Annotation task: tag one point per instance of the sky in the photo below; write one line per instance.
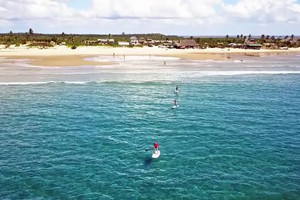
(170, 17)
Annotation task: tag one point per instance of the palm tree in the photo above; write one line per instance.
(30, 31)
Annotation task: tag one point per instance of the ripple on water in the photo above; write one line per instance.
(231, 138)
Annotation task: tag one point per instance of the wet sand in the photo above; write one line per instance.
(65, 60)
(63, 56)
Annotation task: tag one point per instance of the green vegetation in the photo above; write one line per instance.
(32, 39)
(265, 41)
(217, 42)
(36, 39)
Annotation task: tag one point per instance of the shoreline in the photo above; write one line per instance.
(63, 56)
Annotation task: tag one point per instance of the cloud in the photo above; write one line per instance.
(111, 9)
(166, 16)
(264, 11)
(38, 9)
(153, 9)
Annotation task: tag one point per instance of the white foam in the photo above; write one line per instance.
(44, 83)
(231, 73)
(75, 82)
(190, 74)
(130, 58)
(23, 83)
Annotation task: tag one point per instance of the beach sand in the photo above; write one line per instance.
(60, 60)
(202, 56)
(64, 56)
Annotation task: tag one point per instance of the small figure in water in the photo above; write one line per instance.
(175, 102)
(156, 145)
(176, 90)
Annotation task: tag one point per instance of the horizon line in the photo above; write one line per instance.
(184, 35)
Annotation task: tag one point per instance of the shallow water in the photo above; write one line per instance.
(85, 132)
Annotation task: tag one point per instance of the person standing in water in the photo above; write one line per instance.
(176, 90)
(175, 102)
(156, 145)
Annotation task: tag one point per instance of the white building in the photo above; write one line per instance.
(123, 43)
(134, 40)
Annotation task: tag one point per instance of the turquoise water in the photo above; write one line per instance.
(79, 135)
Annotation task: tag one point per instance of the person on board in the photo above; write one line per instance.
(175, 102)
(156, 145)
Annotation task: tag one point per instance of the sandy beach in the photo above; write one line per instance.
(59, 60)
(64, 56)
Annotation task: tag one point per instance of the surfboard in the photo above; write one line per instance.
(174, 107)
(156, 154)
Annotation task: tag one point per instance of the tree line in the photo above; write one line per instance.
(73, 39)
(37, 39)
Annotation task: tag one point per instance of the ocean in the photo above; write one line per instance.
(88, 132)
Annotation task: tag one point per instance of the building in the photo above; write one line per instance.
(134, 40)
(42, 43)
(142, 40)
(253, 46)
(188, 43)
(106, 41)
(250, 43)
(123, 44)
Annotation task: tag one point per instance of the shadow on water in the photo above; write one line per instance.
(148, 161)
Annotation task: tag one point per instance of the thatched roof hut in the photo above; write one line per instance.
(188, 43)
